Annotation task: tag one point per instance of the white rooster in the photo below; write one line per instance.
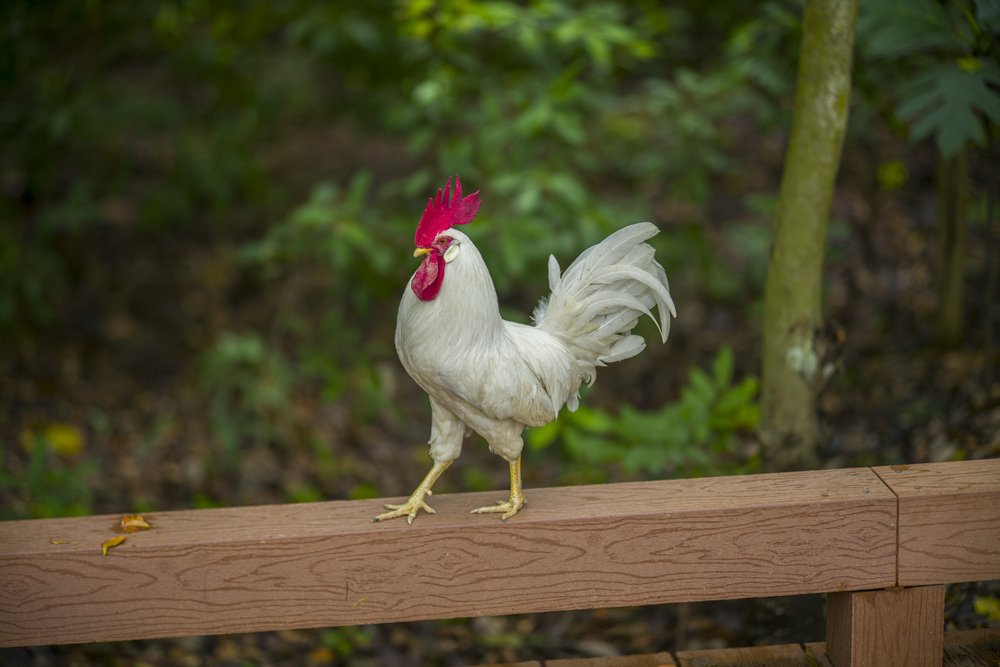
(497, 377)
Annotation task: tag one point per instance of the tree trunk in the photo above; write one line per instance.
(793, 368)
(992, 282)
(952, 178)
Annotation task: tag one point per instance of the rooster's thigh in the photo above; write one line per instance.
(503, 436)
(447, 433)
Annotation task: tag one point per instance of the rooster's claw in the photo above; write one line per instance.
(416, 502)
(408, 509)
(508, 507)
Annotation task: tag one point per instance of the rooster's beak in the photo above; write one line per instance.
(421, 251)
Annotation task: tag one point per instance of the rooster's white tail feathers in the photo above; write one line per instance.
(599, 299)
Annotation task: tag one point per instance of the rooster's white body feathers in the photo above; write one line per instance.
(498, 377)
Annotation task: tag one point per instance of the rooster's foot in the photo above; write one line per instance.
(408, 509)
(416, 502)
(517, 499)
(508, 507)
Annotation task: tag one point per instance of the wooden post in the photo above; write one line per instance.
(897, 626)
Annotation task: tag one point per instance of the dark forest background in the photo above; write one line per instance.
(206, 222)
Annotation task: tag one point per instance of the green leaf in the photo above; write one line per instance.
(569, 188)
(988, 13)
(893, 29)
(650, 459)
(569, 127)
(943, 102)
(722, 366)
(702, 388)
(526, 201)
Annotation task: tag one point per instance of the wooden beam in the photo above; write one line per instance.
(899, 626)
(325, 564)
(971, 648)
(784, 655)
(949, 520)
(646, 660)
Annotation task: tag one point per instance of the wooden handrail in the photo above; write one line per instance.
(325, 564)
(949, 521)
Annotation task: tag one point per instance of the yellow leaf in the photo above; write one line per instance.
(51, 541)
(113, 542)
(989, 607)
(321, 655)
(970, 64)
(65, 439)
(892, 175)
(134, 522)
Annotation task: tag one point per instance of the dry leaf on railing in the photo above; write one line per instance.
(113, 542)
(134, 522)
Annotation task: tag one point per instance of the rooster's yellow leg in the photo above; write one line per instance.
(416, 502)
(517, 499)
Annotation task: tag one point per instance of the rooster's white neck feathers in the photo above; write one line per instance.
(464, 311)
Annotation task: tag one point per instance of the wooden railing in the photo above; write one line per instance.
(880, 541)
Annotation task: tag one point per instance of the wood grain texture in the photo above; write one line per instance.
(325, 564)
(899, 626)
(949, 521)
(646, 660)
(972, 648)
(784, 655)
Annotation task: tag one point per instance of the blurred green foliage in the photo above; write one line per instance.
(128, 125)
(249, 384)
(541, 103)
(694, 437)
(943, 59)
(155, 120)
(336, 236)
(52, 483)
(155, 115)
(345, 640)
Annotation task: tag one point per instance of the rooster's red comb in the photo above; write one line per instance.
(446, 211)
